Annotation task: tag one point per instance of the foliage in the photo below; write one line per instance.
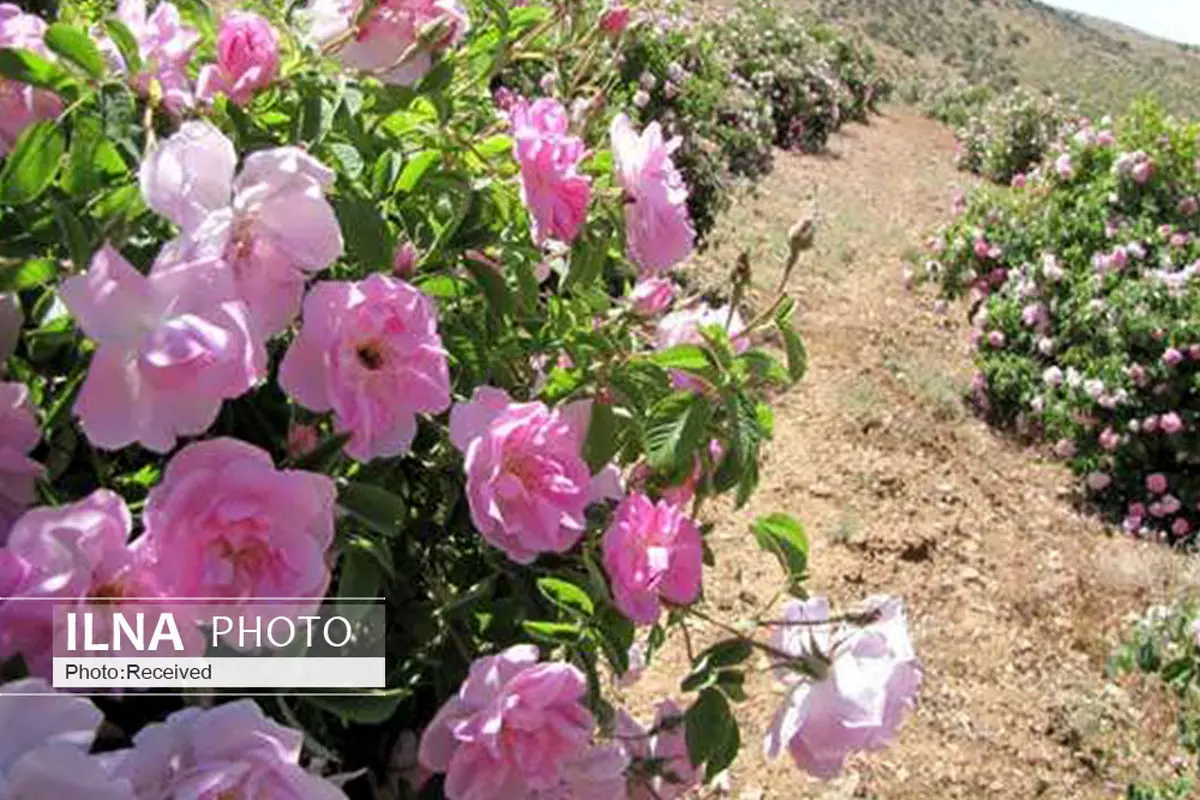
(1085, 311)
(1008, 135)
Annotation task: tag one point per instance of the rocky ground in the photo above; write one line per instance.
(1016, 597)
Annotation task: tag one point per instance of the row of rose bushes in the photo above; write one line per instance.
(1164, 646)
(1083, 284)
(318, 305)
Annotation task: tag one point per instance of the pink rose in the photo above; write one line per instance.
(404, 262)
(996, 339)
(652, 552)
(1098, 481)
(1109, 439)
(47, 737)
(247, 59)
(165, 46)
(1156, 483)
(1064, 448)
(614, 18)
(1065, 169)
(511, 729)
(18, 436)
(397, 42)
(223, 522)
(370, 351)
(301, 440)
(77, 554)
(1170, 423)
(1189, 206)
(598, 774)
(1171, 357)
(21, 105)
(1019, 181)
(1181, 527)
(556, 195)
(664, 745)
(11, 320)
(527, 484)
(871, 677)
(171, 348)
(231, 750)
(271, 225)
(650, 297)
(658, 229)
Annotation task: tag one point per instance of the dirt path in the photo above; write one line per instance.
(1015, 598)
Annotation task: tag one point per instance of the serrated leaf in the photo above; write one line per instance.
(77, 47)
(415, 169)
(690, 357)
(797, 354)
(783, 537)
(566, 595)
(553, 632)
(376, 507)
(93, 159)
(368, 240)
(28, 275)
(711, 733)
(31, 166)
(675, 430)
(26, 67)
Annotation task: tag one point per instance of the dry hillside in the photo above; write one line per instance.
(1101, 64)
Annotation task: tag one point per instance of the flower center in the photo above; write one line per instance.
(108, 593)
(370, 355)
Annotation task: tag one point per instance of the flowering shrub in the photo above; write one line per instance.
(1165, 644)
(1003, 138)
(1084, 290)
(294, 308)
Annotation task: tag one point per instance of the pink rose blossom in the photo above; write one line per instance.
(1019, 181)
(18, 436)
(1143, 170)
(247, 59)
(1065, 169)
(1105, 138)
(1170, 423)
(511, 728)
(982, 248)
(1064, 448)
(271, 224)
(47, 737)
(79, 555)
(1189, 206)
(597, 774)
(370, 352)
(1181, 527)
(404, 262)
(1150, 424)
(1098, 481)
(231, 750)
(223, 522)
(1156, 483)
(871, 678)
(658, 230)
(996, 339)
(165, 46)
(665, 745)
(1171, 357)
(11, 320)
(301, 440)
(556, 195)
(1109, 439)
(171, 348)
(1170, 504)
(614, 18)
(652, 296)
(527, 483)
(652, 551)
(398, 41)
(21, 105)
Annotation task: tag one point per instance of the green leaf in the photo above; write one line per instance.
(126, 44)
(675, 430)
(552, 632)
(77, 47)
(603, 439)
(495, 145)
(363, 708)
(74, 234)
(31, 166)
(711, 732)
(494, 288)
(784, 537)
(727, 653)
(348, 159)
(587, 262)
(415, 169)
(27, 67)
(690, 357)
(377, 508)
(28, 275)
(443, 287)
(566, 595)
(360, 575)
(797, 354)
(368, 240)
(93, 160)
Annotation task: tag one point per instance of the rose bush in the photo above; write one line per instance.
(1003, 138)
(1084, 290)
(296, 307)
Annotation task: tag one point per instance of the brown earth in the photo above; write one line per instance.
(1015, 597)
